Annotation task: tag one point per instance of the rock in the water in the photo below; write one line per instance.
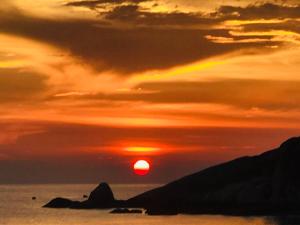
(60, 203)
(101, 197)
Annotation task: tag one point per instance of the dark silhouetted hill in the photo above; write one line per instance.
(265, 184)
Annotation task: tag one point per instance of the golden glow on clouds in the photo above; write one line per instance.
(51, 9)
(137, 149)
(178, 72)
(12, 63)
(261, 21)
(26, 52)
(280, 33)
(73, 85)
(224, 40)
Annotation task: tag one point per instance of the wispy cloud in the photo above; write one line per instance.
(243, 93)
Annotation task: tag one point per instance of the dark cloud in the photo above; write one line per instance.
(145, 40)
(96, 3)
(18, 85)
(134, 14)
(126, 50)
(259, 11)
(290, 25)
(238, 93)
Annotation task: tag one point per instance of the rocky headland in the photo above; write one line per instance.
(266, 184)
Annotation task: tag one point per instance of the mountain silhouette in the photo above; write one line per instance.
(264, 184)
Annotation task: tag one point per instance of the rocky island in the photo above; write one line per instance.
(266, 184)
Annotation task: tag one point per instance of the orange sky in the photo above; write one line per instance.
(184, 83)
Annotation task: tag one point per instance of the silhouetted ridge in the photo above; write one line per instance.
(264, 184)
(290, 144)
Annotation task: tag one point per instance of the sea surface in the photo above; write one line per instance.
(18, 208)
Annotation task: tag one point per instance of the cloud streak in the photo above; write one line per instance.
(241, 93)
(92, 4)
(259, 11)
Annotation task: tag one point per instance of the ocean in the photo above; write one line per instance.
(18, 208)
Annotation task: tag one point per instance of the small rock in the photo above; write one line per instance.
(59, 203)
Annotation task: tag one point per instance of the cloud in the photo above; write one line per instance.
(17, 85)
(289, 25)
(259, 11)
(120, 49)
(134, 14)
(92, 4)
(11, 132)
(234, 92)
(130, 39)
(139, 15)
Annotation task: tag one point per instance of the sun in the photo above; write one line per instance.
(141, 167)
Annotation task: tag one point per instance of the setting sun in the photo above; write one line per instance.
(141, 167)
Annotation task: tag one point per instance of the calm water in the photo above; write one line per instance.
(17, 208)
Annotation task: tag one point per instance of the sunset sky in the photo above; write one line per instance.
(87, 87)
